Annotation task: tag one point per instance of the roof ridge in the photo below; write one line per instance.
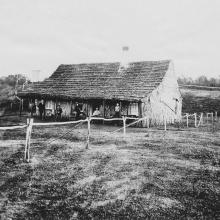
(117, 62)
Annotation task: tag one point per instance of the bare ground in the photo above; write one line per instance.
(149, 174)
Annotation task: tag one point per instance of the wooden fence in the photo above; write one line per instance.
(198, 121)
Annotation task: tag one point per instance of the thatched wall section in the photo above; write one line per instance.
(165, 102)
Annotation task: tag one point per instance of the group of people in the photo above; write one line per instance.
(33, 109)
(58, 112)
(97, 113)
(42, 111)
(117, 113)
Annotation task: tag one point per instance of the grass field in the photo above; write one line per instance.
(149, 174)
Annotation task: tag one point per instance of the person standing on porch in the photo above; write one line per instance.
(41, 107)
(33, 110)
(117, 111)
(78, 111)
(59, 112)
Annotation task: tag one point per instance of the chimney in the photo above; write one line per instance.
(124, 59)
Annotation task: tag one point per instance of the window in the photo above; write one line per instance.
(49, 104)
(133, 109)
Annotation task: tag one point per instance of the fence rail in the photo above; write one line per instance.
(31, 123)
(58, 123)
(13, 127)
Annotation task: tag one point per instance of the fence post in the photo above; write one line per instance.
(187, 120)
(148, 122)
(124, 125)
(28, 139)
(207, 116)
(26, 142)
(20, 110)
(88, 135)
(216, 116)
(195, 119)
(212, 117)
(201, 118)
(165, 123)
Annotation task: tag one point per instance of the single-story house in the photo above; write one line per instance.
(146, 88)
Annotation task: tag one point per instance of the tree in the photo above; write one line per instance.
(10, 84)
(202, 80)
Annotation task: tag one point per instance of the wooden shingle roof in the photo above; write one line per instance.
(102, 81)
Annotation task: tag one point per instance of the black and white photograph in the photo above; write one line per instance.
(109, 109)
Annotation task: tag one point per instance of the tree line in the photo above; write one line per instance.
(201, 81)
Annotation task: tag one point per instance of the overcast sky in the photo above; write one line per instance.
(38, 35)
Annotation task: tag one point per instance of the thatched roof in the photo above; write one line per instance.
(102, 81)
